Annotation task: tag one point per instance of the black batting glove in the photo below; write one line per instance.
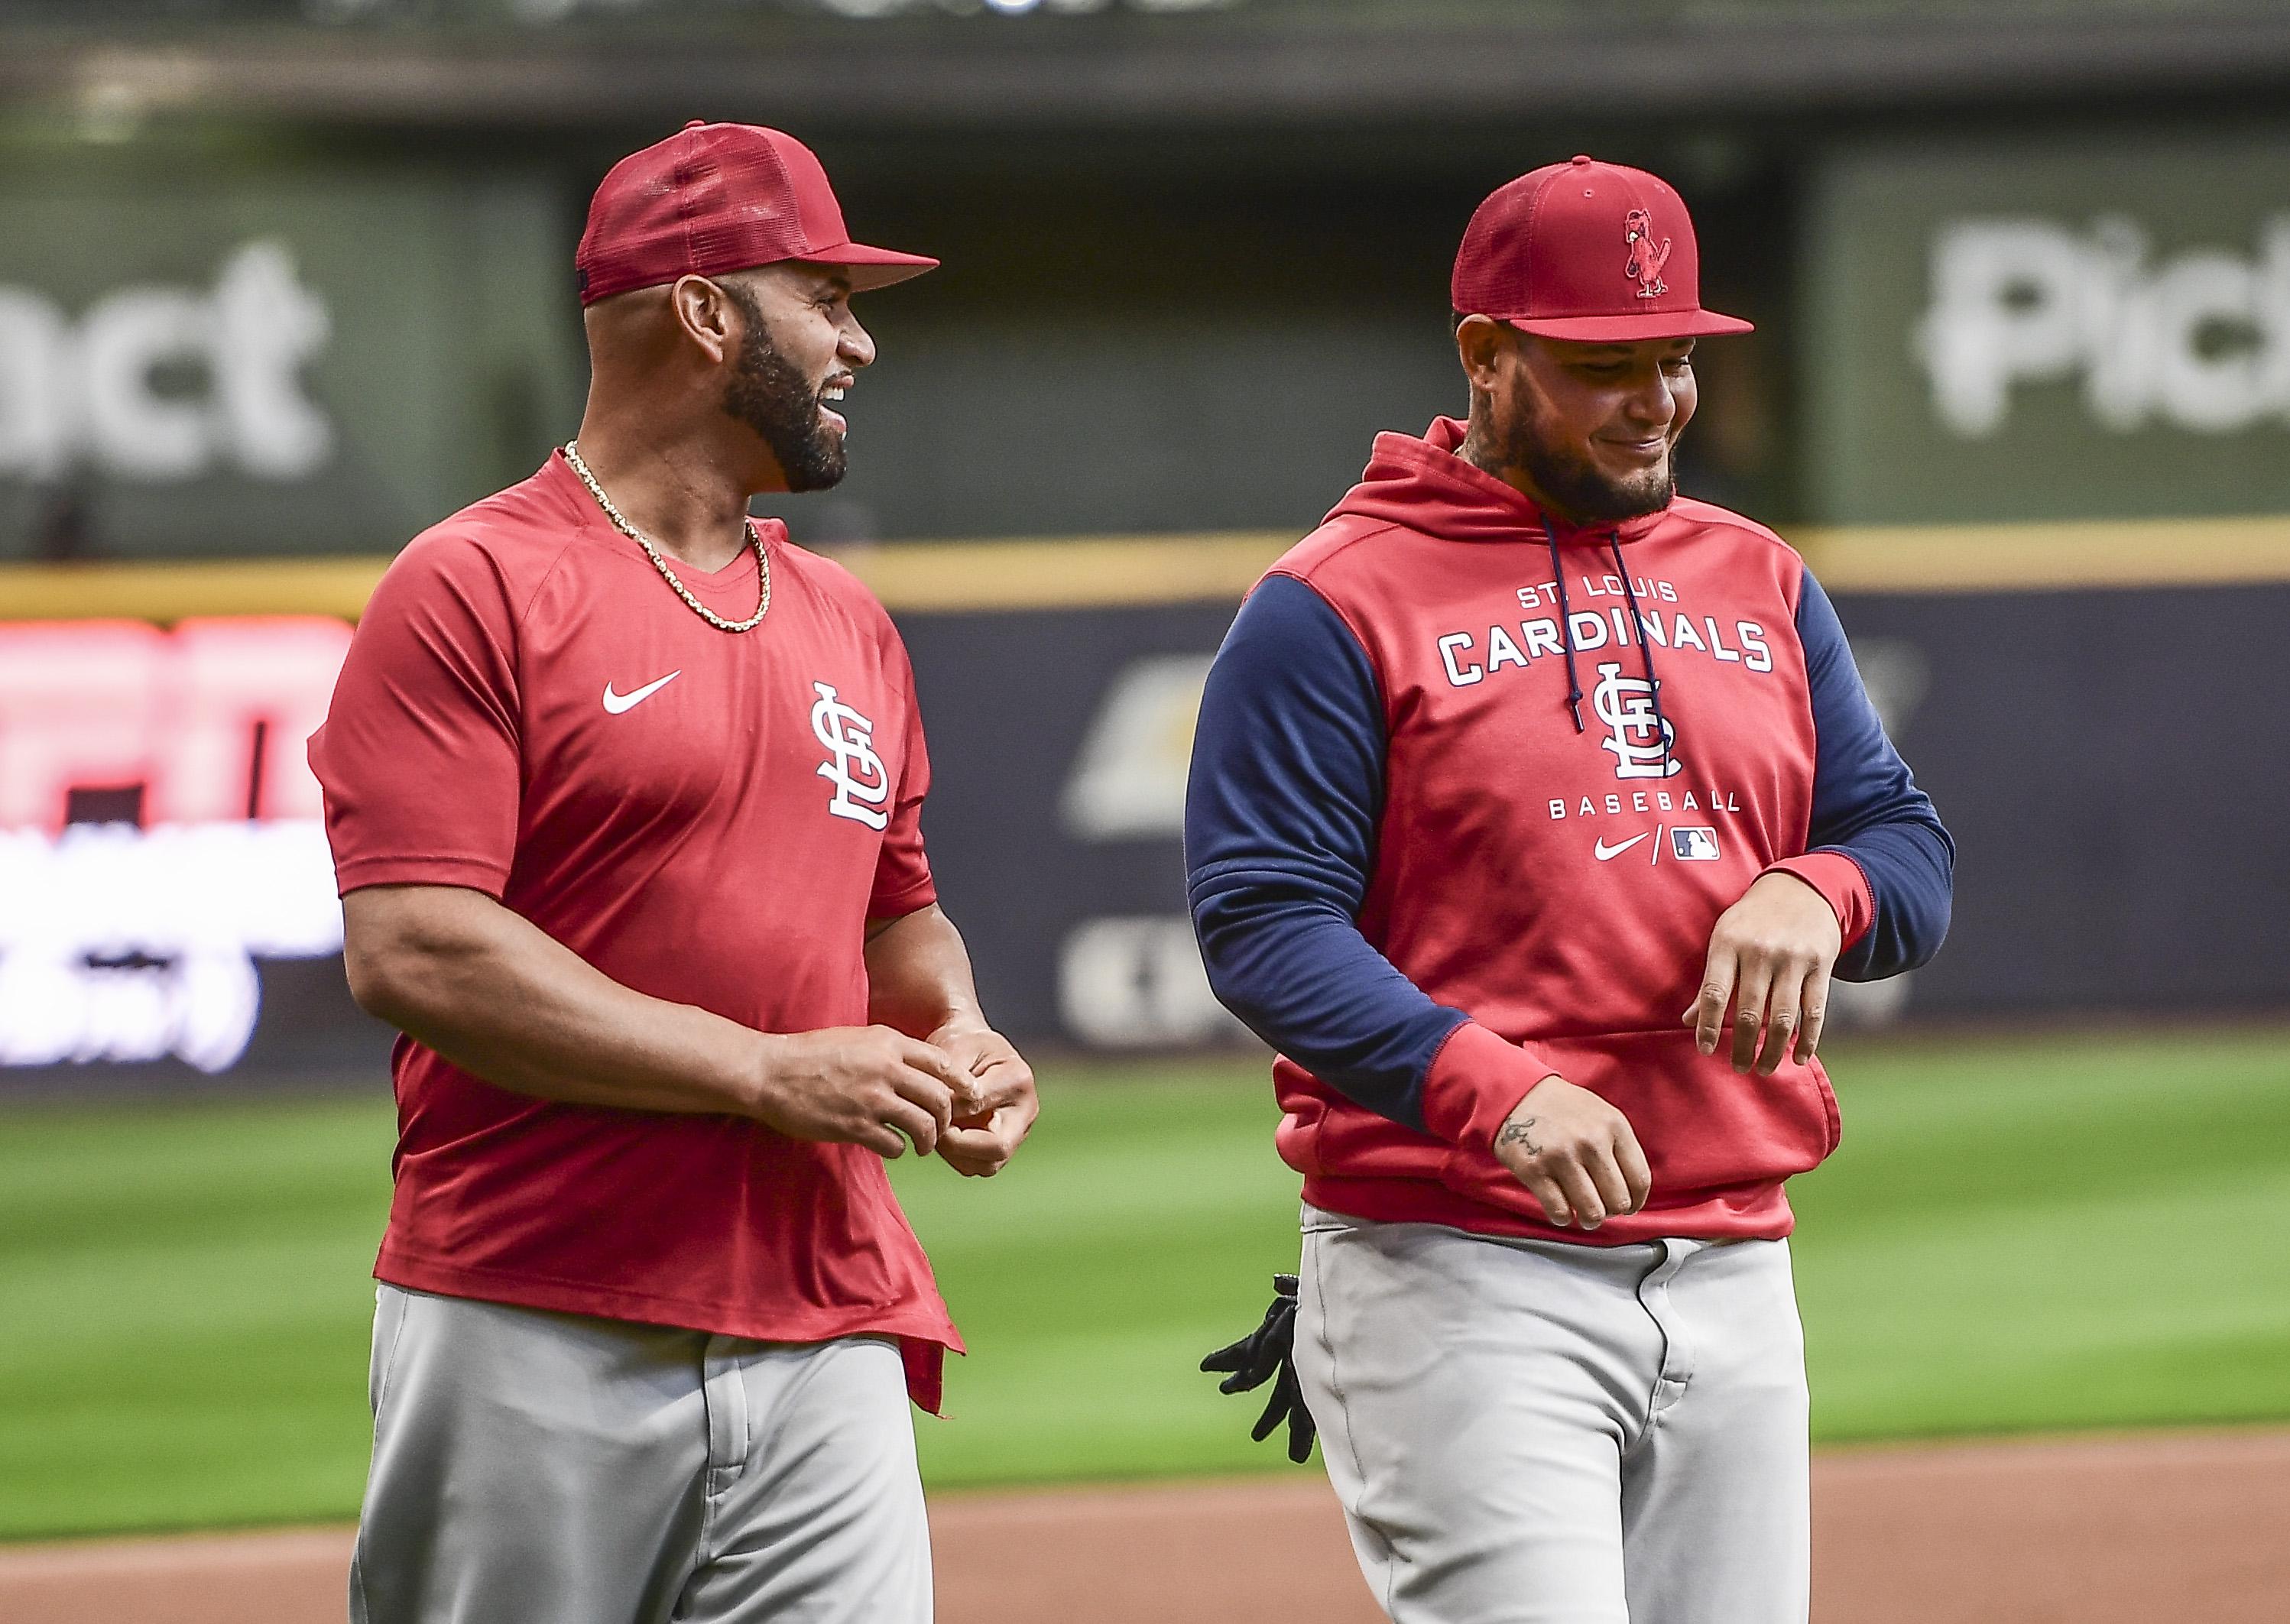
(1269, 1354)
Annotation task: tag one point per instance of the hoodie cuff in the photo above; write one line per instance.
(1842, 885)
(1476, 1081)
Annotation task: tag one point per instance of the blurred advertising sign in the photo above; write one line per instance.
(2089, 874)
(167, 910)
(160, 834)
(232, 362)
(1129, 980)
(2024, 331)
(1059, 847)
(1058, 844)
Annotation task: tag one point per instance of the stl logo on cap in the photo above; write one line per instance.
(1540, 256)
(1645, 260)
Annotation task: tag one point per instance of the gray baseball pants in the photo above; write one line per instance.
(1526, 1432)
(533, 1468)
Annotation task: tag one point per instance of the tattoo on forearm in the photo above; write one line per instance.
(1520, 1133)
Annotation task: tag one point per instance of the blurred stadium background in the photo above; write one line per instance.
(284, 281)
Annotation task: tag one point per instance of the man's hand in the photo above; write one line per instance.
(1576, 1155)
(998, 1107)
(861, 1085)
(1769, 957)
(918, 979)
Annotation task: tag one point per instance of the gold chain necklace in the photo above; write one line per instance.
(652, 551)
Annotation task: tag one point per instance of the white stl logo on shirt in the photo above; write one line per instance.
(850, 741)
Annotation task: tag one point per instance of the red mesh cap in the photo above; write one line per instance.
(713, 198)
(1587, 251)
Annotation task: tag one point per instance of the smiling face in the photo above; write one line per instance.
(1589, 431)
(798, 351)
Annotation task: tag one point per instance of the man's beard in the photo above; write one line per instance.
(1578, 490)
(769, 396)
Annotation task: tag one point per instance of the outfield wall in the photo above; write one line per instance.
(2103, 754)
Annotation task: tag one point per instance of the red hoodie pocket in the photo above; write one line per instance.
(1325, 1134)
(1704, 1127)
(1297, 1139)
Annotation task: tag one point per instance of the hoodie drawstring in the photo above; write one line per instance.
(1645, 644)
(1566, 628)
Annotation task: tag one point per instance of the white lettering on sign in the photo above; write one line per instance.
(1137, 982)
(118, 944)
(95, 392)
(1128, 780)
(124, 943)
(2200, 341)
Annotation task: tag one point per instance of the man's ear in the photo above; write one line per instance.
(707, 316)
(1483, 345)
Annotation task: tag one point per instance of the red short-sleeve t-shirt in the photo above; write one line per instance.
(528, 710)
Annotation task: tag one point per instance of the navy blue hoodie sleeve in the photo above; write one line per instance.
(1281, 815)
(1866, 806)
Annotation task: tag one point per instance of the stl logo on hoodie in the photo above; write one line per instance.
(1641, 739)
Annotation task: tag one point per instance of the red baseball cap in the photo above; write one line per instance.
(1586, 251)
(713, 198)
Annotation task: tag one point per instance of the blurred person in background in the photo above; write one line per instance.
(623, 791)
(1516, 758)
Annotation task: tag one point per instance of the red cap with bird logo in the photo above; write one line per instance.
(1586, 251)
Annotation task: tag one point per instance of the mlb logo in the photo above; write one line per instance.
(1698, 845)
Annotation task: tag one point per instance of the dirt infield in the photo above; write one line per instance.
(2082, 1531)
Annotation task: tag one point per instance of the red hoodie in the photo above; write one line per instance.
(1557, 886)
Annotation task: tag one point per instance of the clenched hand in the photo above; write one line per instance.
(1770, 958)
(1576, 1155)
(862, 1085)
(998, 1110)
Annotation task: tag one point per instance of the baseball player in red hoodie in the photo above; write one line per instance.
(1534, 808)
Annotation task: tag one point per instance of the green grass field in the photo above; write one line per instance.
(2023, 1233)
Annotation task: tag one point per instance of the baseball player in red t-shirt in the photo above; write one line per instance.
(623, 790)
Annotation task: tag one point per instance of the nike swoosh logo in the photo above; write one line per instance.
(1606, 853)
(618, 702)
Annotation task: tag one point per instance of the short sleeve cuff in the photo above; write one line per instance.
(1476, 1081)
(470, 874)
(1841, 883)
(898, 901)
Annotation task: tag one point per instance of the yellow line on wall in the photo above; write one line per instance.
(1091, 572)
(1113, 571)
(177, 591)
(2056, 556)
